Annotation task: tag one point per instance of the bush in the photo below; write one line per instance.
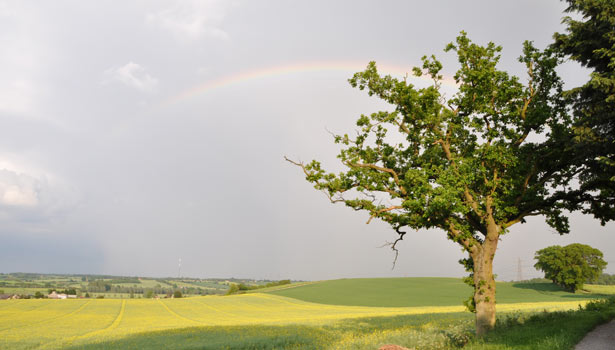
(233, 288)
(177, 294)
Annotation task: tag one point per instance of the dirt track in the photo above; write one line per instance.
(601, 338)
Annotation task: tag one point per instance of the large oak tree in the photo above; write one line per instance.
(472, 165)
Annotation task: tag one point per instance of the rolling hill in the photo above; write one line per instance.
(419, 291)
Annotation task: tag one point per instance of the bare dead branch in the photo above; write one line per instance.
(393, 244)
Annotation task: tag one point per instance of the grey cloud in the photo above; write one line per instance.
(132, 75)
(19, 190)
(191, 20)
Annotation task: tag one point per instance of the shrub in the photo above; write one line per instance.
(233, 288)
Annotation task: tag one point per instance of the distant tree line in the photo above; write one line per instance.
(605, 279)
(100, 286)
(235, 288)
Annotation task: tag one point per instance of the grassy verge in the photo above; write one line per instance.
(538, 330)
(547, 330)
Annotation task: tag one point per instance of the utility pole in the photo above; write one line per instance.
(519, 270)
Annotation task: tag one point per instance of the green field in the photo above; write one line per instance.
(423, 311)
(420, 291)
(599, 289)
(52, 324)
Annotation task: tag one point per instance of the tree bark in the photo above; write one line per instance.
(484, 283)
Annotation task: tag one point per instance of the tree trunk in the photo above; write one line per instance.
(484, 283)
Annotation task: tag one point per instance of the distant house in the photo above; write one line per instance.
(6, 296)
(55, 295)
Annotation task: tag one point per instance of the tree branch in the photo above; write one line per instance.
(457, 236)
(384, 210)
(383, 169)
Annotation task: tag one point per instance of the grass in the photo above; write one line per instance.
(444, 331)
(425, 313)
(599, 289)
(53, 324)
(420, 291)
(346, 334)
(545, 331)
(282, 287)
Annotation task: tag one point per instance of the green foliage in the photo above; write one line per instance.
(233, 289)
(590, 40)
(177, 294)
(71, 291)
(243, 287)
(605, 279)
(460, 158)
(570, 266)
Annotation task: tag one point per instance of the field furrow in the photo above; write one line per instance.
(95, 318)
(45, 312)
(187, 319)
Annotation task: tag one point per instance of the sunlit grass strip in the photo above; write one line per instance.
(600, 289)
(547, 305)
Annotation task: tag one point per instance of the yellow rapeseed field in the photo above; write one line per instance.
(53, 324)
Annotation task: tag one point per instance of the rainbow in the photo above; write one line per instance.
(298, 67)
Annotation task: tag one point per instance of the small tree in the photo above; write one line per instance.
(466, 165)
(233, 289)
(177, 294)
(570, 266)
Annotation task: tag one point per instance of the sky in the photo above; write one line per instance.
(137, 133)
